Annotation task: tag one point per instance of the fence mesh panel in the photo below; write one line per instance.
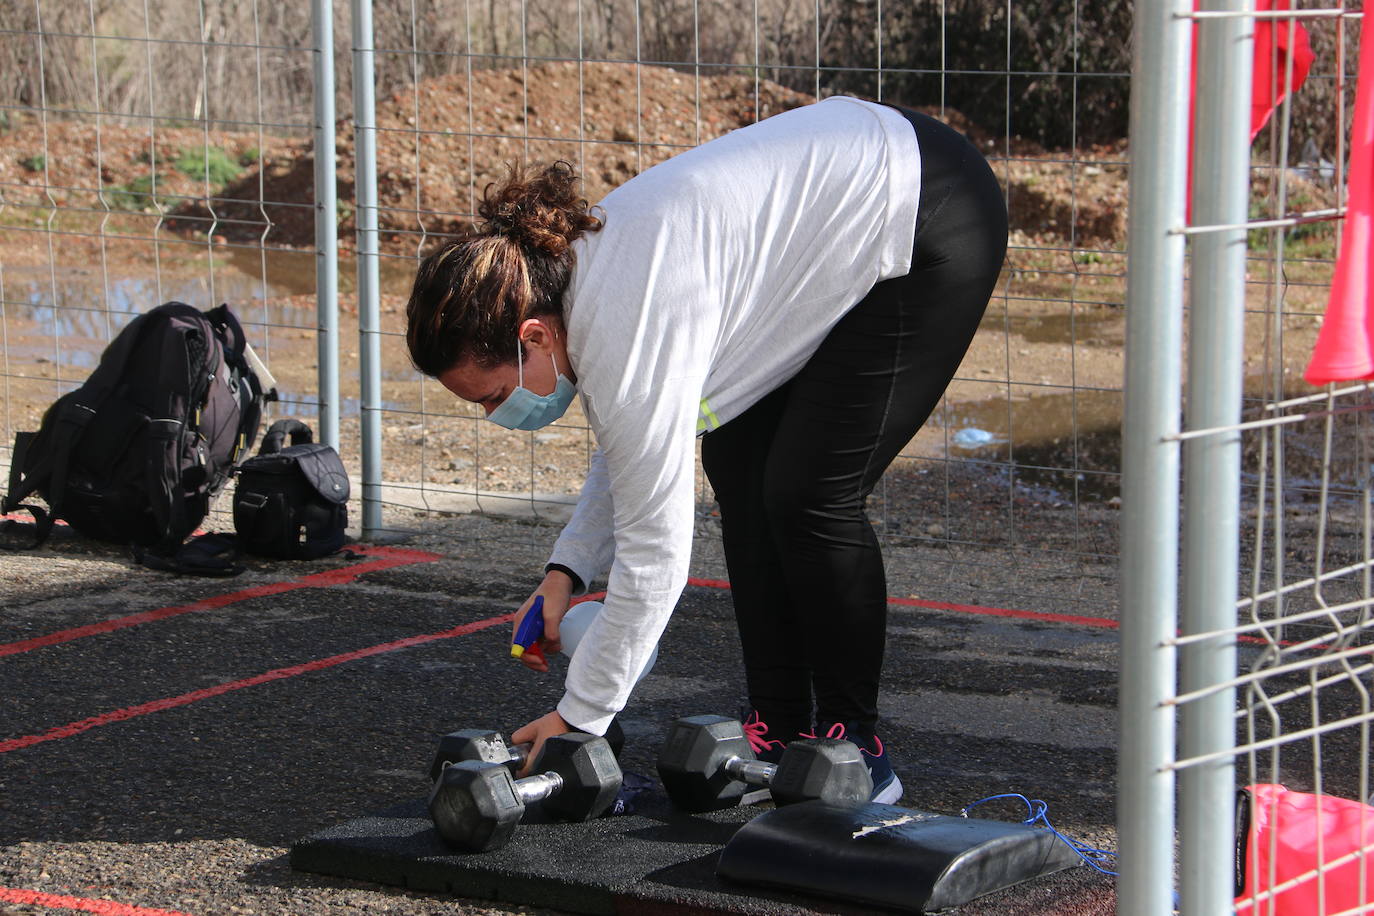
(1299, 674)
(1008, 496)
(152, 152)
(157, 151)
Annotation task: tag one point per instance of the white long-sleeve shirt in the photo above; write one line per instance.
(714, 279)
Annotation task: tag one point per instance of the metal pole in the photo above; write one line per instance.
(1216, 329)
(369, 289)
(1150, 467)
(326, 223)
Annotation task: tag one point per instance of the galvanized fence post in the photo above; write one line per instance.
(1150, 460)
(326, 222)
(369, 284)
(1211, 509)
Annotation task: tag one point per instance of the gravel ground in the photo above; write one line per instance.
(177, 760)
(191, 805)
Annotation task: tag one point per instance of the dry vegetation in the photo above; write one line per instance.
(188, 192)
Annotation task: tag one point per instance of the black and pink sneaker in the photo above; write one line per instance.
(887, 788)
(769, 750)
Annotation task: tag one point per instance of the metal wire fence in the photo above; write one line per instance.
(174, 151)
(1245, 605)
(148, 156)
(1020, 462)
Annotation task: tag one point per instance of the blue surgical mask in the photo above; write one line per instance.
(523, 409)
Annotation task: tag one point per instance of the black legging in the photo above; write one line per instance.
(792, 472)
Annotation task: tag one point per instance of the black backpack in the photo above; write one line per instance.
(136, 453)
(291, 503)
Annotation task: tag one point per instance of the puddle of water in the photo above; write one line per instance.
(1096, 327)
(82, 307)
(1047, 418)
(293, 272)
(1071, 443)
(67, 318)
(1067, 442)
(79, 303)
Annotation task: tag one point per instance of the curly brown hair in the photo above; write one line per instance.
(471, 295)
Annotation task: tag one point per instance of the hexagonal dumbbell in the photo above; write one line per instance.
(476, 805)
(491, 747)
(706, 763)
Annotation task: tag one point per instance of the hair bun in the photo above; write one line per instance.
(538, 209)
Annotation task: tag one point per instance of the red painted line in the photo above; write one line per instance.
(1074, 619)
(278, 674)
(25, 518)
(709, 583)
(84, 904)
(387, 557)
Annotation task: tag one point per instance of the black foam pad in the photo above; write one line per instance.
(657, 860)
(889, 856)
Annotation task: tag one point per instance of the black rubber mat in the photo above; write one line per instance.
(655, 860)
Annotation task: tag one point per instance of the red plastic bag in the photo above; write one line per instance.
(1295, 833)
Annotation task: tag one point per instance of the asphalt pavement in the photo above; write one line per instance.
(164, 741)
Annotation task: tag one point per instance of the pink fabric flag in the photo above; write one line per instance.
(1271, 62)
(1345, 344)
(1268, 88)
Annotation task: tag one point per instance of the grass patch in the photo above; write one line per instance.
(1312, 241)
(135, 196)
(209, 164)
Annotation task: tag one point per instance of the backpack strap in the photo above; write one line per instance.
(20, 488)
(167, 429)
(206, 555)
(168, 512)
(299, 432)
(43, 524)
(50, 474)
(231, 332)
(14, 495)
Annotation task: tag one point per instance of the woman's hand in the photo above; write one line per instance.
(556, 590)
(536, 733)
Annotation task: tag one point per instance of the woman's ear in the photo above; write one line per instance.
(538, 333)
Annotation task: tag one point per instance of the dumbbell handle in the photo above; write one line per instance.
(519, 755)
(538, 787)
(753, 772)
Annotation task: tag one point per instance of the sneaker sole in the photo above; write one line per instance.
(755, 797)
(890, 793)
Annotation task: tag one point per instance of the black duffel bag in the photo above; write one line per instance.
(291, 503)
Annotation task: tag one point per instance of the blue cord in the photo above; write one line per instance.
(1037, 813)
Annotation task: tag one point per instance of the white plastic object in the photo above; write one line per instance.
(576, 622)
